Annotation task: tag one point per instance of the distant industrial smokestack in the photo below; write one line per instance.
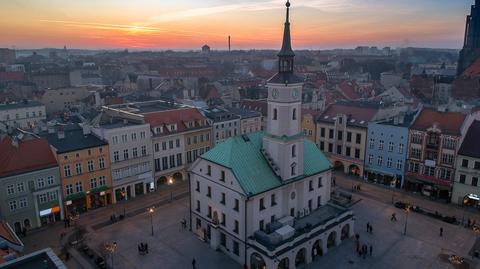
(229, 44)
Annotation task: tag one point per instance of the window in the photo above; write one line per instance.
(445, 174)
(89, 152)
(66, 170)
(116, 156)
(349, 136)
(449, 143)
(209, 170)
(125, 154)
(330, 133)
(322, 145)
(43, 198)
(170, 144)
(477, 166)
(415, 153)
(13, 205)
(101, 163)
(23, 202)
(102, 181)
(223, 239)
(399, 164)
(372, 143)
(389, 162)
(172, 161)
(261, 204)
(144, 150)
(462, 178)
(319, 201)
(294, 151)
(273, 200)
(69, 189)
(236, 248)
(330, 147)
(236, 206)
(115, 140)
(348, 151)
(475, 181)
(198, 206)
(320, 182)
(197, 188)
(21, 186)
(310, 185)
(294, 114)
(447, 158)
(339, 149)
(209, 212)
(90, 166)
(79, 186)
(339, 135)
(177, 142)
(134, 136)
(379, 160)
(370, 159)
(164, 163)
(414, 167)
(380, 145)
(93, 183)
(357, 153)
(179, 159)
(41, 183)
(135, 153)
(465, 163)
(78, 168)
(275, 114)
(222, 201)
(429, 171)
(416, 139)
(224, 220)
(209, 191)
(293, 169)
(235, 229)
(400, 148)
(222, 176)
(322, 132)
(390, 146)
(358, 138)
(10, 189)
(310, 205)
(261, 225)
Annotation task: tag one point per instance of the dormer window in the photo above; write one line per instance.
(159, 130)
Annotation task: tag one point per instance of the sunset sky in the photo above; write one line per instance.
(188, 24)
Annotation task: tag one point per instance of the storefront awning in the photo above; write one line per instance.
(99, 189)
(75, 196)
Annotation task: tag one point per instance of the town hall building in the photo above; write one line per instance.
(263, 198)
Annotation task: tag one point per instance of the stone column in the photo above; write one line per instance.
(324, 245)
(338, 236)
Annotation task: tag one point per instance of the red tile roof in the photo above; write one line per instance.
(349, 90)
(181, 117)
(358, 113)
(30, 155)
(473, 70)
(448, 122)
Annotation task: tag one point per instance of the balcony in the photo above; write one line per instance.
(287, 231)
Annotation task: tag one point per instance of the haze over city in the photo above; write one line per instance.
(188, 24)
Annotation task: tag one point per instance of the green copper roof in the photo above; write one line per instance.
(242, 155)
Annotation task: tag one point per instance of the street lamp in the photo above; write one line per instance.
(407, 210)
(110, 247)
(170, 183)
(151, 210)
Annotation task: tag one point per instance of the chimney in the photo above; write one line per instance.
(61, 134)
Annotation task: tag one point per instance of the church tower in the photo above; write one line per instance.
(471, 43)
(283, 141)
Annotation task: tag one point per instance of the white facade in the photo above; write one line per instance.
(224, 130)
(131, 158)
(22, 115)
(168, 156)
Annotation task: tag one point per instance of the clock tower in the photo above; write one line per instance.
(283, 141)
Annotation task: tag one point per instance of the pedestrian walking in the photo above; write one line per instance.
(394, 217)
(194, 263)
(368, 227)
(371, 229)
(371, 250)
(441, 231)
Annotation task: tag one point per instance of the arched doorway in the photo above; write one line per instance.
(338, 166)
(331, 239)
(354, 170)
(161, 180)
(17, 227)
(177, 177)
(317, 249)
(301, 257)
(26, 223)
(345, 232)
(284, 263)
(257, 262)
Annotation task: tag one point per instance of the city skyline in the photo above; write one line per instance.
(185, 24)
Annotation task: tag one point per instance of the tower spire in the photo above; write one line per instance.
(287, 43)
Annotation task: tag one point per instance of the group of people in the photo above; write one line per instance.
(143, 248)
(364, 249)
(356, 187)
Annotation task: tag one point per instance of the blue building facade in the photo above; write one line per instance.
(386, 150)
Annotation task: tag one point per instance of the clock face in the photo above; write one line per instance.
(295, 94)
(275, 93)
